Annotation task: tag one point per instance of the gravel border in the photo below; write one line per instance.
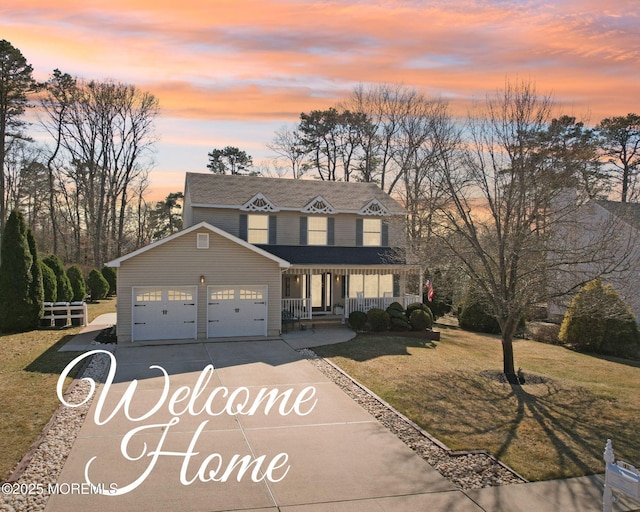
(43, 463)
(466, 469)
(41, 466)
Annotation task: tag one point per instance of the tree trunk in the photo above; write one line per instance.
(507, 357)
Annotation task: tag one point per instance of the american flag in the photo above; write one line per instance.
(429, 289)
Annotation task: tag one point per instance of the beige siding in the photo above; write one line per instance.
(288, 228)
(223, 218)
(179, 263)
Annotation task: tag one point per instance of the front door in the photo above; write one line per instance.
(321, 292)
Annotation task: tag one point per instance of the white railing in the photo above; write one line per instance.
(61, 314)
(298, 308)
(364, 304)
(619, 476)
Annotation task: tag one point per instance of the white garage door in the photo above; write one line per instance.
(236, 311)
(167, 313)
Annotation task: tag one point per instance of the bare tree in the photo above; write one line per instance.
(509, 222)
(287, 147)
(103, 139)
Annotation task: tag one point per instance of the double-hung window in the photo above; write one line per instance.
(317, 231)
(372, 232)
(258, 229)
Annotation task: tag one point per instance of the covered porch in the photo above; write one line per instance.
(316, 291)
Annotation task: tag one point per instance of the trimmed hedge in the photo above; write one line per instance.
(420, 320)
(98, 285)
(49, 283)
(378, 319)
(111, 276)
(357, 320)
(64, 290)
(78, 285)
(395, 306)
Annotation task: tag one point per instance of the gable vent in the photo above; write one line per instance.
(259, 203)
(319, 205)
(202, 241)
(374, 207)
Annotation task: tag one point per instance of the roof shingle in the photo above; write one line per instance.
(235, 191)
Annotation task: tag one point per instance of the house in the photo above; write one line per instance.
(607, 236)
(256, 249)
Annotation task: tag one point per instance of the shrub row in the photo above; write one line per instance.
(71, 285)
(416, 317)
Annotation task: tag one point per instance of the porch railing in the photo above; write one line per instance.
(364, 304)
(299, 308)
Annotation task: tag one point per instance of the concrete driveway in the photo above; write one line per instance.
(326, 455)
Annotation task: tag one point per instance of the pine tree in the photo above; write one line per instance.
(16, 308)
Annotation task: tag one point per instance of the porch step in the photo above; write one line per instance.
(322, 322)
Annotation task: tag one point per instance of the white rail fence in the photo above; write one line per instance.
(62, 314)
(297, 308)
(618, 476)
(301, 308)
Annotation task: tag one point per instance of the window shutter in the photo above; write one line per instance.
(331, 229)
(359, 235)
(242, 230)
(396, 285)
(384, 242)
(303, 231)
(273, 230)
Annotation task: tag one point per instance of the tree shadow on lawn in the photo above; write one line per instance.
(53, 362)
(373, 345)
(551, 430)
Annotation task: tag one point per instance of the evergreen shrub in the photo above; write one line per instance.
(378, 319)
(16, 308)
(420, 320)
(98, 285)
(64, 289)
(49, 283)
(110, 274)
(78, 285)
(599, 321)
(357, 320)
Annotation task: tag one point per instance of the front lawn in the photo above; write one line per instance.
(556, 427)
(29, 370)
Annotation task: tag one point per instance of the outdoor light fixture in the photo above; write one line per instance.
(201, 279)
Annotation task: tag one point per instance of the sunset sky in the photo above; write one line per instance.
(231, 72)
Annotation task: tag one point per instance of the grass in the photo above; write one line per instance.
(29, 371)
(555, 429)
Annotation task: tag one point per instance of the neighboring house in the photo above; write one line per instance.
(612, 229)
(256, 249)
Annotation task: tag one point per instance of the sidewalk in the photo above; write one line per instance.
(85, 340)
